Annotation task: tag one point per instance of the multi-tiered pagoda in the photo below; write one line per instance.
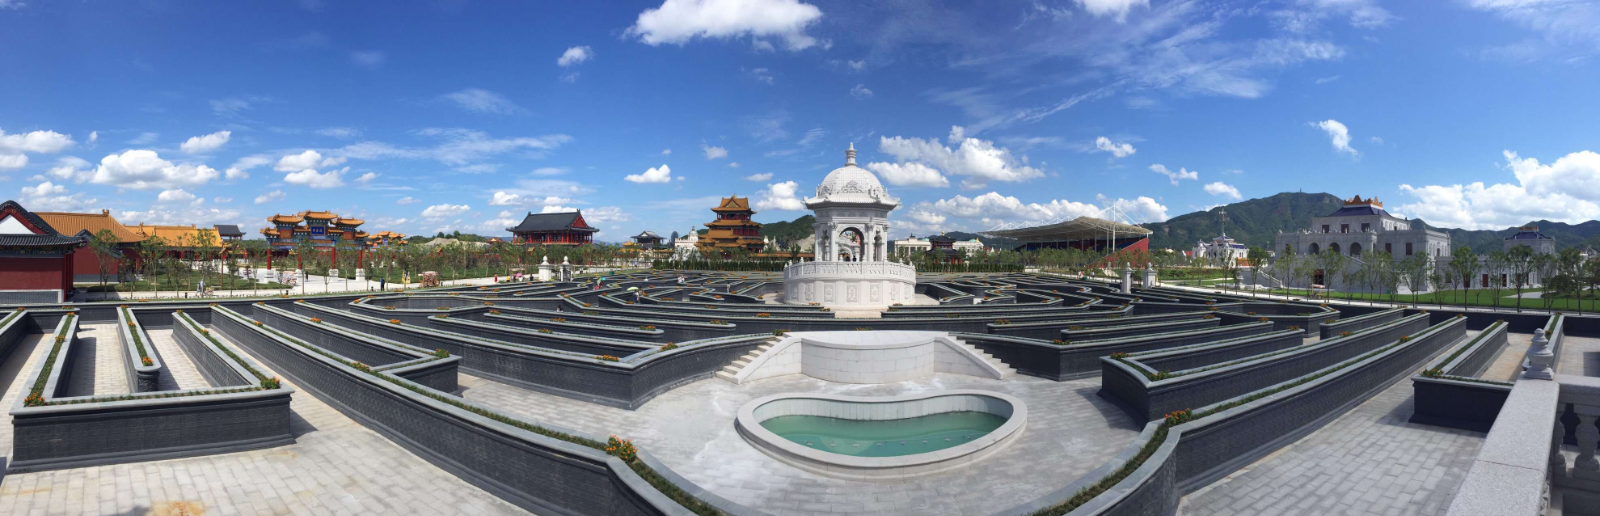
(733, 227)
(323, 229)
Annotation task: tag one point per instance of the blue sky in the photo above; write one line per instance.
(453, 115)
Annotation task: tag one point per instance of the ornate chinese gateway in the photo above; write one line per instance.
(852, 267)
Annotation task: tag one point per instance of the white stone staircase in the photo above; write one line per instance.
(1005, 370)
(731, 371)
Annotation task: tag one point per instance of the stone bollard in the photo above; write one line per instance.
(1539, 358)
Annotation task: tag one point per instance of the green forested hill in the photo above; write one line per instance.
(1252, 222)
(1256, 222)
(793, 230)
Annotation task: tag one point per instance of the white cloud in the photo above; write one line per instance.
(41, 142)
(314, 179)
(480, 168)
(207, 143)
(305, 160)
(979, 159)
(240, 169)
(604, 215)
(1338, 134)
(1140, 209)
(275, 195)
(860, 91)
(49, 196)
(549, 171)
(483, 101)
(1117, 9)
(192, 213)
(661, 174)
(1567, 190)
(445, 210)
(679, 21)
(369, 59)
(714, 152)
(366, 178)
(459, 146)
(503, 198)
(69, 167)
(145, 139)
(13, 161)
(558, 209)
(764, 176)
(222, 200)
(1305, 16)
(145, 170)
(1375, 140)
(1117, 150)
(178, 195)
(730, 165)
(94, 136)
(1223, 189)
(990, 209)
(408, 200)
(763, 75)
(908, 174)
(780, 197)
(574, 56)
(1181, 174)
(666, 152)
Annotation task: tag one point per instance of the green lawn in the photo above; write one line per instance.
(185, 283)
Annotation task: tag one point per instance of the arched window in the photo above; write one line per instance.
(1315, 248)
(1334, 248)
(1355, 249)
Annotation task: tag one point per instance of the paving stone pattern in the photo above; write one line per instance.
(1369, 461)
(1070, 432)
(1580, 356)
(99, 368)
(336, 467)
(1508, 365)
(178, 370)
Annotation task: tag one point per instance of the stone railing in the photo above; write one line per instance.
(1521, 457)
(1579, 483)
(857, 269)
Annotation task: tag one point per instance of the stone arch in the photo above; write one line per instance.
(1333, 248)
(1315, 248)
(1355, 249)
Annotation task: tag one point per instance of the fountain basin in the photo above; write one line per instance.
(882, 437)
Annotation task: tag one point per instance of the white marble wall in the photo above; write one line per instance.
(868, 365)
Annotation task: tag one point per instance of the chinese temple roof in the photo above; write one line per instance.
(734, 204)
(564, 221)
(72, 223)
(22, 228)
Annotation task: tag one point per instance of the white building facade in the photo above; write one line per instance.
(912, 245)
(1220, 250)
(1359, 228)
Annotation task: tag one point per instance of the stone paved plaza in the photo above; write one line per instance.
(1070, 432)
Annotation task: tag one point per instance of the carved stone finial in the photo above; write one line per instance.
(850, 155)
(1539, 358)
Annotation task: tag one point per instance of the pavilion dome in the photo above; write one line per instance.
(851, 183)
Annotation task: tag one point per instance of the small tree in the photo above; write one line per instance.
(1498, 263)
(1257, 257)
(1465, 264)
(1332, 263)
(1522, 262)
(104, 246)
(1414, 269)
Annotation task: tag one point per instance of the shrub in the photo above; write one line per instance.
(1344, 334)
(545, 330)
(394, 321)
(1074, 328)
(496, 312)
(441, 308)
(558, 319)
(1209, 316)
(316, 320)
(258, 323)
(33, 400)
(647, 327)
(1002, 321)
(779, 333)
(1178, 417)
(270, 383)
(1294, 327)
(1060, 342)
(1405, 338)
(763, 314)
(622, 449)
(1433, 373)
(147, 362)
(1119, 356)
(590, 312)
(441, 353)
(717, 321)
(486, 303)
(1330, 321)
(606, 358)
(361, 367)
(1249, 313)
(863, 328)
(669, 346)
(1263, 319)
(713, 307)
(1161, 375)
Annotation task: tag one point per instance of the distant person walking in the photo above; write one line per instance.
(381, 282)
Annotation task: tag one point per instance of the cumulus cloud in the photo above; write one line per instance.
(908, 174)
(978, 159)
(145, 170)
(1117, 150)
(503, 198)
(574, 56)
(438, 211)
(714, 152)
(48, 196)
(1116, 9)
(407, 200)
(1566, 190)
(1182, 173)
(241, 168)
(605, 215)
(764, 176)
(176, 196)
(660, 174)
(275, 195)
(1338, 135)
(13, 161)
(1224, 190)
(305, 160)
(482, 101)
(677, 22)
(780, 197)
(860, 91)
(990, 209)
(314, 179)
(40, 142)
(70, 167)
(207, 143)
(366, 178)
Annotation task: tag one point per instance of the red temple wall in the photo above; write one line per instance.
(45, 273)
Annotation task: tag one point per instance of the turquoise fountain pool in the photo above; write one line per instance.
(884, 438)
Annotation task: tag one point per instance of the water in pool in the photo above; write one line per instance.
(886, 438)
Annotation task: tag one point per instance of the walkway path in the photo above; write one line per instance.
(179, 371)
(98, 369)
(1508, 365)
(1580, 356)
(336, 467)
(1070, 431)
(1368, 461)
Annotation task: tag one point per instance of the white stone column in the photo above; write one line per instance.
(868, 249)
(1539, 358)
(816, 243)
